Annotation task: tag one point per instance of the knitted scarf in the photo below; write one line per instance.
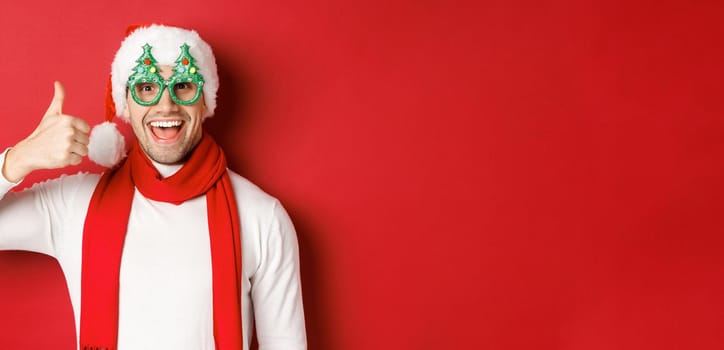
(105, 231)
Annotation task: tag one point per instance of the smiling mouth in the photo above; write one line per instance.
(166, 131)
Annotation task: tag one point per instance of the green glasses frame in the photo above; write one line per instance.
(147, 72)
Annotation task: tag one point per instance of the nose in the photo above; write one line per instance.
(166, 104)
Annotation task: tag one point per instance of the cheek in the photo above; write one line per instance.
(136, 120)
(196, 114)
(136, 113)
(126, 113)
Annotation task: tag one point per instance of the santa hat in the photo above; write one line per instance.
(107, 146)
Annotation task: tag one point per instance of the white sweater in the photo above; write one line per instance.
(165, 288)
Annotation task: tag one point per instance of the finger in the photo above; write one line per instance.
(75, 159)
(78, 149)
(81, 137)
(56, 105)
(80, 124)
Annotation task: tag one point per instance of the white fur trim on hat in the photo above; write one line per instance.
(166, 47)
(106, 146)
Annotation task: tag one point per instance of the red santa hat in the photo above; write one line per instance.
(107, 146)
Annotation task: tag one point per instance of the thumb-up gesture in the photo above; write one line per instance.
(58, 141)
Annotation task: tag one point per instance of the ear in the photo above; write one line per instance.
(204, 110)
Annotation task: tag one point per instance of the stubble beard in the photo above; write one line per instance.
(176, 153)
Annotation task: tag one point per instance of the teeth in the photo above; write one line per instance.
(165, 124)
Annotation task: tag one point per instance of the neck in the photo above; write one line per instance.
(166, 170)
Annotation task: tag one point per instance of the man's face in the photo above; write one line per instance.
(166, 131)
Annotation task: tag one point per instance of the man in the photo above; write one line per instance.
(169, 249)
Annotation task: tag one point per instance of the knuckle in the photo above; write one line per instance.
(66, 135)
(65, 119)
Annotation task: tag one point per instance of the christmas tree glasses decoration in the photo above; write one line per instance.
(147, 84)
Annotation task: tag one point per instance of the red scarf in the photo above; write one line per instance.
(105, 231)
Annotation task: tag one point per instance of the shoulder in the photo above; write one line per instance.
(257, 209)
(69, 185)
(252, 201)
(58, 195)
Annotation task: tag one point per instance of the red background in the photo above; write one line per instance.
(462, 174)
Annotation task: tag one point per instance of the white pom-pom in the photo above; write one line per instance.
(107, 146)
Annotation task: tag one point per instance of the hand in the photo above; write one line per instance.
(58, 141)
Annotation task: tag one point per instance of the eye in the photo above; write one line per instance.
(146, 88)
(185, 91)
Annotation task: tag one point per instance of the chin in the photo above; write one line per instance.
(168, 159)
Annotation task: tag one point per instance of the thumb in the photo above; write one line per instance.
(56, 105)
